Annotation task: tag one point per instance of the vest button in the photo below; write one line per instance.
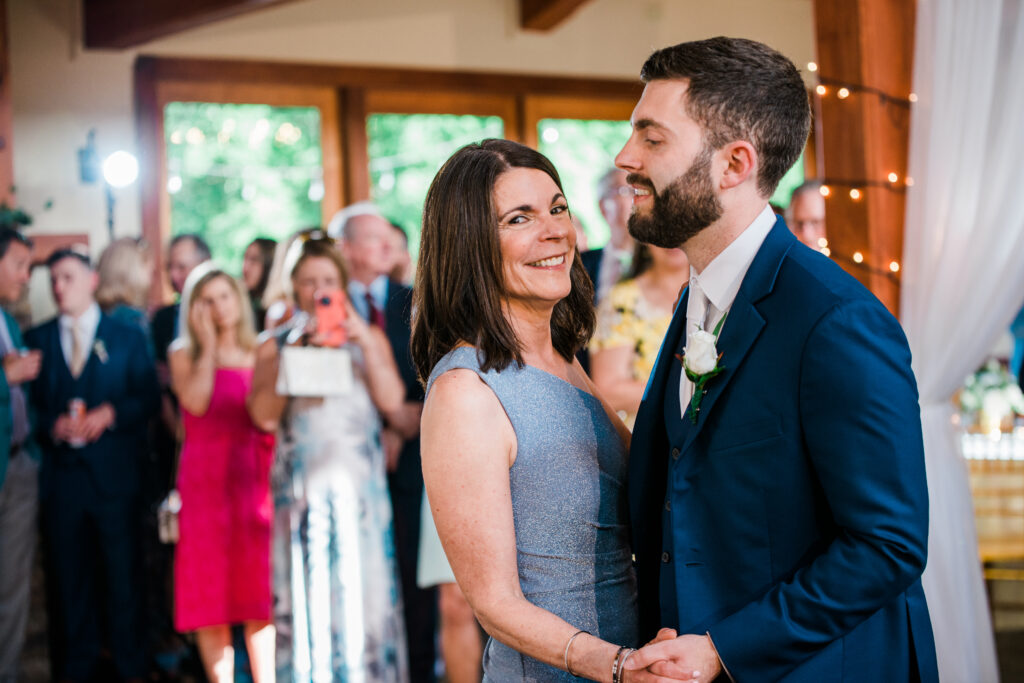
(665, 557)
(675, 453)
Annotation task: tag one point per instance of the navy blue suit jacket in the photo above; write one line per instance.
(123, 374)
(790, 522)
(408, 476)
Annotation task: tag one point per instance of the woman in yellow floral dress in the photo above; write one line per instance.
(631, 322)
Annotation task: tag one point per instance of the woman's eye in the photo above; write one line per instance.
(518, 220)
(560, 208)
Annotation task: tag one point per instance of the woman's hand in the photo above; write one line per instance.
(201, 320)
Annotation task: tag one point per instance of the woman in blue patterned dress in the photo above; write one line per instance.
(336, 598)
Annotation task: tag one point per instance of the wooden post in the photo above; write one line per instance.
(866, 46)
(6, 114)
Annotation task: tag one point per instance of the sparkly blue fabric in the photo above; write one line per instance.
(568, 487)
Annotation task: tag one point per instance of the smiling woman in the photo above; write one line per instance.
(513, 425)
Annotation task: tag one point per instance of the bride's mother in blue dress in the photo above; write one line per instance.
(524, 464)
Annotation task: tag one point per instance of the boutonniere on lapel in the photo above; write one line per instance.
(701, 363)
(100, 349)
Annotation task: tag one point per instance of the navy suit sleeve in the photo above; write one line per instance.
(46, 411)
(141, 400)
(862, 432)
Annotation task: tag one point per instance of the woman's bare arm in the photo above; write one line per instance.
(264, 404)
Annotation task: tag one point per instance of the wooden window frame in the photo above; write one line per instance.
(345, 96)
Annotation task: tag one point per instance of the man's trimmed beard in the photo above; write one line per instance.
(681, 210)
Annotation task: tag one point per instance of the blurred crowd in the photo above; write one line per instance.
(230, 478)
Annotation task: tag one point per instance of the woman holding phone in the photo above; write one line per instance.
(335, 582)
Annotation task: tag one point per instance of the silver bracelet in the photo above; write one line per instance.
(567, 646)
(622, 665)
(617, 664)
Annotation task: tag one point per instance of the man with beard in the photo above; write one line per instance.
(777, 489)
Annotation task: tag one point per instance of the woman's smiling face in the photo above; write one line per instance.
(537, 238)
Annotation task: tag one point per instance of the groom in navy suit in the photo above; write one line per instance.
(777, 489)
(89, 481)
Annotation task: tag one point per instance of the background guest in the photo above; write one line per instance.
(259, 256)
(607, 265)
(124, 277)
(95, 393)
(806, 214)
(366, 243)
(184, 253)
(19, 458)
(222, 561)
(401, 271)
(631, 322)
(335, 581)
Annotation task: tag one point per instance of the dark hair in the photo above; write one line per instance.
(642, 261)
(741, 90)
(198, 242)
(460, 285)
(8, 235)
(74, 251)
(266, 247)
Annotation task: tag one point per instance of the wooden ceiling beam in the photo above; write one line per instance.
(119, 24)
(544, 15)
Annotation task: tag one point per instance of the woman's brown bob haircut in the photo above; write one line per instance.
(460, 287)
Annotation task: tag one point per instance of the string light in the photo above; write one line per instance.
(826, 251)
(823, 242)
(893, 177)
(909, 181)
(912, 97)
(824, 190)
(812, 66)
(858, 257)
(855, 194)
(843, 93)
(894, 266)
(821, 90)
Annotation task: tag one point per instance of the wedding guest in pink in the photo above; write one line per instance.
(222, 564)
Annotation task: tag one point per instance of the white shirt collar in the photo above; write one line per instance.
(87, 322)
(721, 279)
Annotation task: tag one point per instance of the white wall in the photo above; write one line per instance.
(61, 91)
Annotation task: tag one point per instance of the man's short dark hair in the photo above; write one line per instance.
(201, 247)
(8, 235)
(741, 90)
(74, 251)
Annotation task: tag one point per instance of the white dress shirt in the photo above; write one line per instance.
(721, 280)
(86, 324)
(378, 289)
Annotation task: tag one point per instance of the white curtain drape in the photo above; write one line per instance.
(963, 277)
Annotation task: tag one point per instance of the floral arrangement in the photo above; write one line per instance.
(990, 396)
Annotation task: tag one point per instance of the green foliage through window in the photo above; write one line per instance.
(583, 151)
(406, 151)
(240, 171)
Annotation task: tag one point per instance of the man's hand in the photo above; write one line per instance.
(64, 429)
(667, 659)
(95, 422)
(22, 367)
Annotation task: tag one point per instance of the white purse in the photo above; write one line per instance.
(314, 371)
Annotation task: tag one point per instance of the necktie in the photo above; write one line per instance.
(77, 351)
(376, 315)
(696, 307)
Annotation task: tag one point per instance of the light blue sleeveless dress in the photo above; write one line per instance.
(569, 505)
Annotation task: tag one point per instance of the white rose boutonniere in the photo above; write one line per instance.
(700, 361)
(100, 349)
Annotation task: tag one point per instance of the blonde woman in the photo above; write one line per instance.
(222, 562)
(125, 270)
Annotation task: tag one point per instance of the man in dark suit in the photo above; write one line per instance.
(608, 264)
(184, 253)
(19, 458)
(778, 501)
(366, 242)
(95, 393)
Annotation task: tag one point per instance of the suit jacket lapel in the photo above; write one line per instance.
(744, 323)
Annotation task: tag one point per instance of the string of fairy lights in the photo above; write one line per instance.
(856, 187)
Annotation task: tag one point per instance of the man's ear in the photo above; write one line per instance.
(740, 164)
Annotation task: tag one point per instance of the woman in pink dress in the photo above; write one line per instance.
(222, 562)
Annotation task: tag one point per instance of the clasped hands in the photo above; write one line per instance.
(673, 658)
(87, 428)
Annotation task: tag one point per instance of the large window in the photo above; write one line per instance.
(240, 171)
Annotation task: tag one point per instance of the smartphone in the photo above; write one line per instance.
(330, 317)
